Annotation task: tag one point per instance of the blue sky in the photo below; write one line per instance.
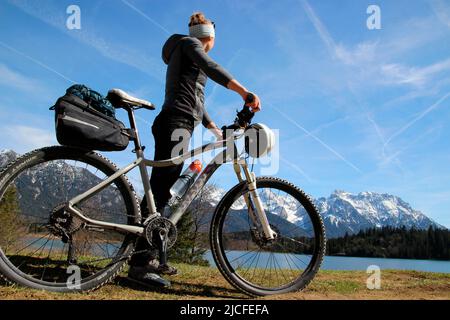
(357, 109)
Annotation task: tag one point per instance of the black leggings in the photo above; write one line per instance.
(162, 179)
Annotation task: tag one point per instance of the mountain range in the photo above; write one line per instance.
(51, 183)
(342, 212)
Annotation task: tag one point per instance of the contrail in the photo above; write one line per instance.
(395, 155)
(143, 120)
(146, 16)
(337, 154)
(296, 168)
(419, 117)
(43, 65)
(320, 28)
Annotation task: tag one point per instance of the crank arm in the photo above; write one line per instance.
(162, 241)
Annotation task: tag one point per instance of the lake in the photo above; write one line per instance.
(329, 263)
(354, 263)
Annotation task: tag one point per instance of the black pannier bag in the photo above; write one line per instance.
(78, 124)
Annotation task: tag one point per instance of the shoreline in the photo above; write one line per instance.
(206, 283)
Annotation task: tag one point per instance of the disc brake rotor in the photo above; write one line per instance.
(259, 238)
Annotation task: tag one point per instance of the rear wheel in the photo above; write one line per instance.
(260, 267)
(44, 247)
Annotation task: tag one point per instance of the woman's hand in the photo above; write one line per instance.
(255, 104)
(215, 130)
(243, 92)
(218, 133)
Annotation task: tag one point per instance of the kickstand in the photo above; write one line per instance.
(71, 258)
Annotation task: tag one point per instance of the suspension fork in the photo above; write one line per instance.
(252, 199)
(237, 170)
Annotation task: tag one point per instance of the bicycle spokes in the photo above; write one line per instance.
(268, 263)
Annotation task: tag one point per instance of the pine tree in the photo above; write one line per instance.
(389, 242)
(9, 218)
(185, 249)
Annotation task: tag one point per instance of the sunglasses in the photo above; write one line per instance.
(214, 24)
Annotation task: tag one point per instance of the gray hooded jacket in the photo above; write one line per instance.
(188, 70)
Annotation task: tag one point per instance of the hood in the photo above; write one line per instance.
(170, 46)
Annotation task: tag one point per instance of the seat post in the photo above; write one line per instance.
(142, 166)
(137, 140)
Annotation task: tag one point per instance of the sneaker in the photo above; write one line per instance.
(154, 267)
(167, 270)
(144, 276)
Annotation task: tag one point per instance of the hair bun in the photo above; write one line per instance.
(198, 18)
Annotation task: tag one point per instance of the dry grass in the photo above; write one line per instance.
(207, 283)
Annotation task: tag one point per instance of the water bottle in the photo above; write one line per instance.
(184, 182)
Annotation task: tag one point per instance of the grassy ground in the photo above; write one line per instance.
(207, 283)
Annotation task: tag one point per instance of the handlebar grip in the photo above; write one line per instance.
(250, 98)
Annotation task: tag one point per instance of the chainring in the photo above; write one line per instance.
(157, 224)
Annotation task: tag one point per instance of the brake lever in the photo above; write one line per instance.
(243, 117)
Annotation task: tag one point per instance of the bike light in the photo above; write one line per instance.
(259, 140)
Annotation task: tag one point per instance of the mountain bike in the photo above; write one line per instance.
(70, 219)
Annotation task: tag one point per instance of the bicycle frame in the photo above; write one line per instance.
(192, 192)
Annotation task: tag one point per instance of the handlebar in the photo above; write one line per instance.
(242, 121)
(243, 117)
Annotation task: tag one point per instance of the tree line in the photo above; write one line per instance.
(388, 242)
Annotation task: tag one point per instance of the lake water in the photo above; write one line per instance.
(329, 263)
(352, 263)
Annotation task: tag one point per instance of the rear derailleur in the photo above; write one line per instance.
(62, 224)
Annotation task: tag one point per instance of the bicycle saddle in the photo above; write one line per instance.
(120, 98)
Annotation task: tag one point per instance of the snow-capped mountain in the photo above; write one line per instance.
(50, 184)
(342, 212)
(6, 156)
(345, 212)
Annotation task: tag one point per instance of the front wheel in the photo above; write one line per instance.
(255, 265)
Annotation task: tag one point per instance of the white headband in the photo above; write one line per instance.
(202, 31)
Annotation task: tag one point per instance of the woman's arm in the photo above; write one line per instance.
(215, 130)
(196, 53)
(209, 124)
(243, 92)
(194, 50)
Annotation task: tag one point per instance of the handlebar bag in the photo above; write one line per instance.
(80, 125)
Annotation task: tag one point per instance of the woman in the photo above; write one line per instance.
(189, 66)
